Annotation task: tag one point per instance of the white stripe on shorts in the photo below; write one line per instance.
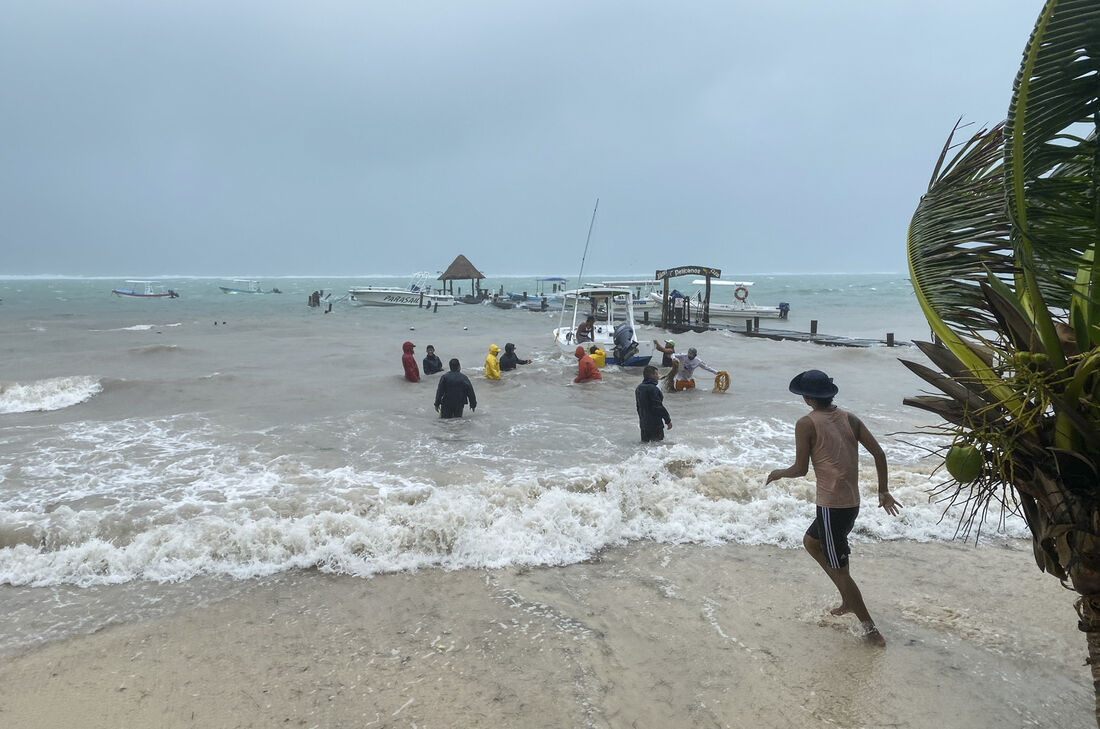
(830, 546)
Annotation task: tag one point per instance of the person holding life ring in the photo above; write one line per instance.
(741, 293)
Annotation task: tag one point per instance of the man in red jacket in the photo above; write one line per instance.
(408, 361)
(587, 371)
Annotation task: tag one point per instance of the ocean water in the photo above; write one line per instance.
(157, 451)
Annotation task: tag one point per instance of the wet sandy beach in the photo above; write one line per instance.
(646, 635)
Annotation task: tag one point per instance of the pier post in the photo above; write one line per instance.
(756, 323)
(436, 309)
(748, 326)
(421, 300)
(645, 315)
(889, 339)
(813, 326)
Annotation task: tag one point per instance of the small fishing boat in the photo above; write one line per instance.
(612, 310)
(148, 290)
(546, 303)
(246, 286)
(603, 302)
(418, 293)
(542, 299)
(556, 284)
(733, 313)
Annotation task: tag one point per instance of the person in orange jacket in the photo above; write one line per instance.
(587, 371)
(408, 361)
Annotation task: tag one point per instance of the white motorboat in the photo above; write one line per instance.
(603, 302)
(418, 293)
(732, 313)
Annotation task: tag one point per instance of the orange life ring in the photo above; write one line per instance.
(740, 293)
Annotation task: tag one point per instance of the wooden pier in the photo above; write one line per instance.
(829, 340)
(752, 329)
(678, 318)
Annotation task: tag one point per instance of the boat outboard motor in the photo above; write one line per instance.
(784, 309)
(625, 346)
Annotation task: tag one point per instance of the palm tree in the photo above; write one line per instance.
(1003, 258)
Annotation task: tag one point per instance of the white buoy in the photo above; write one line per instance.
(465, 328)
(412, 329)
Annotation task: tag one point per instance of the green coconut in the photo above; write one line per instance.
(964, 463)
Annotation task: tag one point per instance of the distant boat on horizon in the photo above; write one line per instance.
(248, 286)
(149, 290)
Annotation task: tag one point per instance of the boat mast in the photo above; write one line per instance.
(580, 275)
(591, 224)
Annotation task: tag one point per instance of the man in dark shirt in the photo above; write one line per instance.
(666, 351)
(509, 360)
(432, 363)
(649, 400)
(586, 330)
(453, 392)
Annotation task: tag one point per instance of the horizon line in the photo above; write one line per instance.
(106, 277)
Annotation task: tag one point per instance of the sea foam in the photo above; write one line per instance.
(226, 517)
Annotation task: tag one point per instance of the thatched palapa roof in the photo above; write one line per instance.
(461, 269)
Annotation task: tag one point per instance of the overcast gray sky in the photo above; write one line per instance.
(353, 138)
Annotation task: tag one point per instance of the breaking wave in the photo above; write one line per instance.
(55, 393)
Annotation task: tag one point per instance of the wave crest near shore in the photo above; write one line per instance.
(233, 521)
(54, 393)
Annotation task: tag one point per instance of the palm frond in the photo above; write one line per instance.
(1050, 163)
(959, 233)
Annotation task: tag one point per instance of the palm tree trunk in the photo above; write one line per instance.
(1088, 608)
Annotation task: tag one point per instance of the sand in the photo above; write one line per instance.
(647, 635)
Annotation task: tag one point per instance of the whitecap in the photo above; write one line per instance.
(50, 394)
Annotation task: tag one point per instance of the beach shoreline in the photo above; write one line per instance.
(646, 635)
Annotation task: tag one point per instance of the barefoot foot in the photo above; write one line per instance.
(840, 609)
(870, 632)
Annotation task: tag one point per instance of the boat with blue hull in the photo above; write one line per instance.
(613, 330)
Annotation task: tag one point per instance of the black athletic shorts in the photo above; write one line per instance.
(831, 528)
